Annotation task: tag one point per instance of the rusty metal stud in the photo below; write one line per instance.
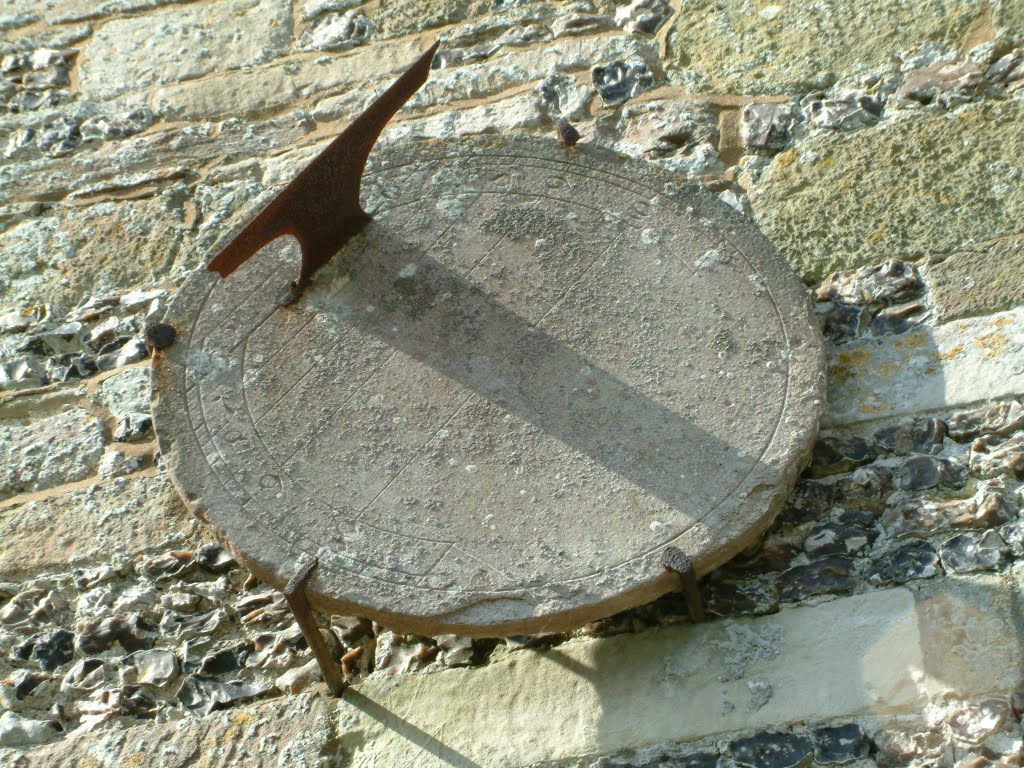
(677, 561)
(320, 207)
(295, 594)
(160, 335)
(567, 133)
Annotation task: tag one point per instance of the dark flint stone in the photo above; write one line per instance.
(1001, 419)
(22, 651)
(772, 750)
(837, 539)
(205, 694)
(810, 501)
(840, 744)
(862, 517)
(827, 575)
(767, 126)
(135, 703)
(99, 635)
(844, 321)
(25, 681)
(225, 660)
(69, 367)
(52, 649)
(115, 345)
(974, 552)
(916, 560)
(833, 454)
(1013, 535)
(173, 564)
(351, 629)
(1017, 703)
(918, 436)
(214, 558)
(132, 427)
(620, 81)
(756, 596)
(865, 489)
(898, 319)
(920, 472)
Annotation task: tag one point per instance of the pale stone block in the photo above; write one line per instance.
(183, 43)
(252, 92)
(92, 525)
(857, 655)
(46, 452)
(952, 365)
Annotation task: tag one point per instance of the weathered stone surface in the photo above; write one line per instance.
(932, 368)
(50, 451)
(183, 43)
(895, 202)
(784, 48)
(92, 525)
(75, 251)
(978, 280)
(400, 17)
(126, 393)
(301, 729)
(254, 92)
(504, 369)
(875, 654)
(514, 66)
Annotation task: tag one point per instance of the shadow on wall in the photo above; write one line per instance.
(877, 655)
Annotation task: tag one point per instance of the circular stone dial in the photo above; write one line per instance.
(492, 410)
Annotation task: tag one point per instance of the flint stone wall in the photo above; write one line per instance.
(877, 143)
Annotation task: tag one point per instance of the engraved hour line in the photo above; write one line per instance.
(395, 352)
(269, 409)
(701, 233)
(490, 250)
(313, 367)
(283, 345)
(199, 316)
(416, 454)
(282, 463)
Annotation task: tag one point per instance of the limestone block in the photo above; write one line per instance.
(596, 696)
(257, 91)
(95, 249)
(948, 366)
(127, 516)
(125, 393)
(903, 190)
(45, 452)
(775, 48)
(183, 43)
(980, 279)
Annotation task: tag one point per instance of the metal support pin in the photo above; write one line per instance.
(295, 594)
(677, 561)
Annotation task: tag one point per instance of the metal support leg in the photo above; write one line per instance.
(677, 561)
(295, 594)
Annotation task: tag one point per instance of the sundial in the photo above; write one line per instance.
(530, 377)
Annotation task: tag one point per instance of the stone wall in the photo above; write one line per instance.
(877, 143)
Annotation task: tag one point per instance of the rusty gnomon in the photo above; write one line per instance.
(320, 207)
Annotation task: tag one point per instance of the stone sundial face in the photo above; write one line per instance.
(493, 409)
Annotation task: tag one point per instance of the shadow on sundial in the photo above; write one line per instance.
(644, 430)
